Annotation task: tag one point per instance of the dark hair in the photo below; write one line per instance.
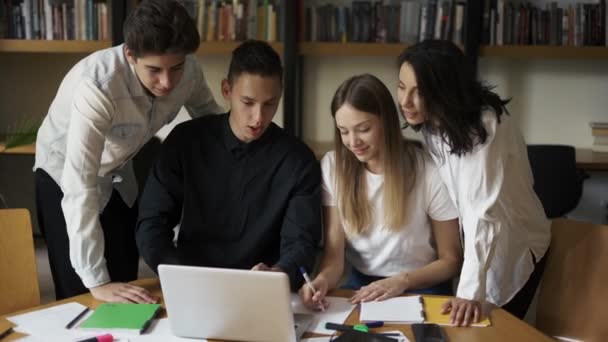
(452, 96)
(257, 58)
(367, 93)
(159, 27)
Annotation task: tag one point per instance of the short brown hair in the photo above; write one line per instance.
(159, 27)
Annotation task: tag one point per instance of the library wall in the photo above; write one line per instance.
(553, 100)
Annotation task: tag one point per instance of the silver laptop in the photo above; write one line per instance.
(228, 304)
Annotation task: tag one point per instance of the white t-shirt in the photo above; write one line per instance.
(502, 218)
(379, 251)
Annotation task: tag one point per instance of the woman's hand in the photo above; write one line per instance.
(315, 300)
(463, 312)
(381, 289)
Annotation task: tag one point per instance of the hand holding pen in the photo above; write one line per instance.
(313, 293)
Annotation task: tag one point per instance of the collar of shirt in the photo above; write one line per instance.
(237, 148)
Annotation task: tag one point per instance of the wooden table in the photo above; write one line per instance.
(505, 327)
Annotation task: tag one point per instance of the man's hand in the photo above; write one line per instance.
(381, 289)
(263, 267)
(122, 293)
(463, 312)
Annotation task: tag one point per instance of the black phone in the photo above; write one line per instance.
(428, 333)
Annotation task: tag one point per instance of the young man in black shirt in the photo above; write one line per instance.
(247, 194)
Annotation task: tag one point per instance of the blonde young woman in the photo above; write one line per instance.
(385, 207)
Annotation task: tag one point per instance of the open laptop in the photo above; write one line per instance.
(229, 304)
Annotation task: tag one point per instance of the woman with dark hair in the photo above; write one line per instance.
(483, 161)
(385, 206)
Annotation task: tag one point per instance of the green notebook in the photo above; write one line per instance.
(118, 317)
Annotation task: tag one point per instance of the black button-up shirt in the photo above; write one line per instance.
(238, 203)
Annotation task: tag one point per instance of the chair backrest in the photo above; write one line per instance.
(557, 182)
(19, 285)
(573, 297)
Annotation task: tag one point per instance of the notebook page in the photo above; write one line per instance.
(394, 310)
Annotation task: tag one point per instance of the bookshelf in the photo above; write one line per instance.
(321, 49)
(544, 52)
(53, 46)
(25, 149)
(225, 48)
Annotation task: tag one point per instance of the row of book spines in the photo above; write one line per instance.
(237, 20)
(39, 19)
(581, 24)
(408, 21)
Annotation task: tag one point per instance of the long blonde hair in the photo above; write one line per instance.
(399, 157)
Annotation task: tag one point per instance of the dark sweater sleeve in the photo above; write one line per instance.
(301, 230)
(160, 205)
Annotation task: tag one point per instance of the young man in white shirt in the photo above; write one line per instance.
(107, 107)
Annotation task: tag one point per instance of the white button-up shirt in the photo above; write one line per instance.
(501, 217)
(99, 119)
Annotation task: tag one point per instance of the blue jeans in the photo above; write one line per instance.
(356, 280)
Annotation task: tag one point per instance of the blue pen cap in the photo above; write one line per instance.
(302, 269)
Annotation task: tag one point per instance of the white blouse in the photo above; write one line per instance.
(379, 251)
(501, 217)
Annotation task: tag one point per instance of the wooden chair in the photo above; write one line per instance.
(573, 297)
(19, 286)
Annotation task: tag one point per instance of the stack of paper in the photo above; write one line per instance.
(49, 325)
(398, 310)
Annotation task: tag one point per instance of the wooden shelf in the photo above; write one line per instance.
(590, 160)
(320, 147)
(25, 149)
(543, 51)
(53, 46)
(352, 49)
(225, 48)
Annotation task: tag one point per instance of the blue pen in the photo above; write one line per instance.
(309, 283)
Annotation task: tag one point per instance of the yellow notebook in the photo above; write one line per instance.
(432, 311)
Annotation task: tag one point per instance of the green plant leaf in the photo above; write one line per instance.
(23, 133)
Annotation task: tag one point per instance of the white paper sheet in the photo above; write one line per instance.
(160, 331)
(395, 310)
(49, 324)
(337, 312)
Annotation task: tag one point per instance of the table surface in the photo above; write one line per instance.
(505, 327)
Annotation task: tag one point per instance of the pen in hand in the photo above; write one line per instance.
(309, 283)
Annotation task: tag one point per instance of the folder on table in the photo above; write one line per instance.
(432, 310)
(121, 317)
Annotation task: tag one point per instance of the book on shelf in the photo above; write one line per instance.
(237, 20)
(555, 23)
(599, 131)
(389, 21)
(54, 19)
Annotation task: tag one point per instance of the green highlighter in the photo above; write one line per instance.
(121, 317)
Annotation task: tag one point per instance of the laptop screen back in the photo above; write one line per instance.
(227, 304)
